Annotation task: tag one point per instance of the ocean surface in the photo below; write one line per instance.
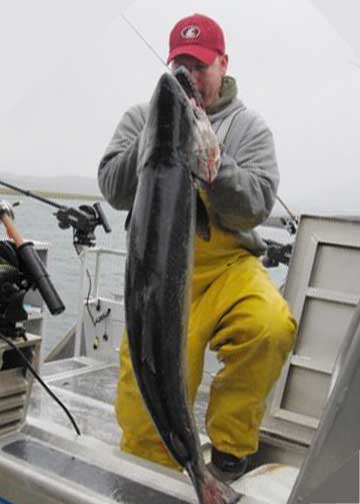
(36, 221)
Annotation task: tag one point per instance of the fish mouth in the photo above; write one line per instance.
(182, 75)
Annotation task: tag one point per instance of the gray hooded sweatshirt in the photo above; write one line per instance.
(244, 191)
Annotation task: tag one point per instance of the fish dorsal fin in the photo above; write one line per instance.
(202, 219)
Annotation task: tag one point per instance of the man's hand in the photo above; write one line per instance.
(206, 146)
(6, 209)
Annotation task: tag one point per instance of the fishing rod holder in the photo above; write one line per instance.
(290, 224)
(83, 220)
(276, 254)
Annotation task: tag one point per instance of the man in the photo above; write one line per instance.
(235, 309)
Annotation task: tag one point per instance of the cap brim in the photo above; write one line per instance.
(206, 56)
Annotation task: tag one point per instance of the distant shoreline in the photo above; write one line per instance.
(57, 195)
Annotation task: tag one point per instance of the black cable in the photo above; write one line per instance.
(90, 287)
(35, 374)
(88, 298)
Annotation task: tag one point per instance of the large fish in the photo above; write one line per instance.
(158, 276)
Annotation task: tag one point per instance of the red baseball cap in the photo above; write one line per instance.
(199, 36)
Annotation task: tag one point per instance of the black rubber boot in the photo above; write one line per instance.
(226, 467)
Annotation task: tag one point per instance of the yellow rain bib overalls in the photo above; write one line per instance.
(240, 314)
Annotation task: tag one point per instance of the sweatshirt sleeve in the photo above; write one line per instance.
(244, 192)
(117, 176)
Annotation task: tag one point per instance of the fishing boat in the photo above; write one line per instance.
(309, 435)
(310, 440)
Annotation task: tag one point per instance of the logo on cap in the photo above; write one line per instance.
(190, 32)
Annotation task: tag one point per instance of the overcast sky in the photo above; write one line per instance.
(70, 69)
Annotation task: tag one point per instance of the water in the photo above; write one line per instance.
(36, 221)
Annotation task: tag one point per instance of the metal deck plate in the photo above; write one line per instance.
(103, 482)
(89, 395)
(51, 368)
(93, 419)
(99, 384)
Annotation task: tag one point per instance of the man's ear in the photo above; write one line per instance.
(224, 62)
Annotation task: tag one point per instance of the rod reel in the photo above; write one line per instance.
(20, 270)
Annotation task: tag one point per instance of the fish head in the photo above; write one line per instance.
(177, 129)
(183, 76)
(169, 133)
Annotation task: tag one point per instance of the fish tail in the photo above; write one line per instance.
(212, 491)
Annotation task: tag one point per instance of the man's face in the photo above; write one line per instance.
(207, 78)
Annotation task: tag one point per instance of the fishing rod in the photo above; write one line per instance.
(83, 220)
(290, 224)
(30, 194)
(134, 29)
(188, 88)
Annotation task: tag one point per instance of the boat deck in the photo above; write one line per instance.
(47, 458)
(88, 388)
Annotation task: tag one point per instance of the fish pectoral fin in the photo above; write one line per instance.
(128, 220)
(202, 219)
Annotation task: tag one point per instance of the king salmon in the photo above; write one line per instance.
(158, 278)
